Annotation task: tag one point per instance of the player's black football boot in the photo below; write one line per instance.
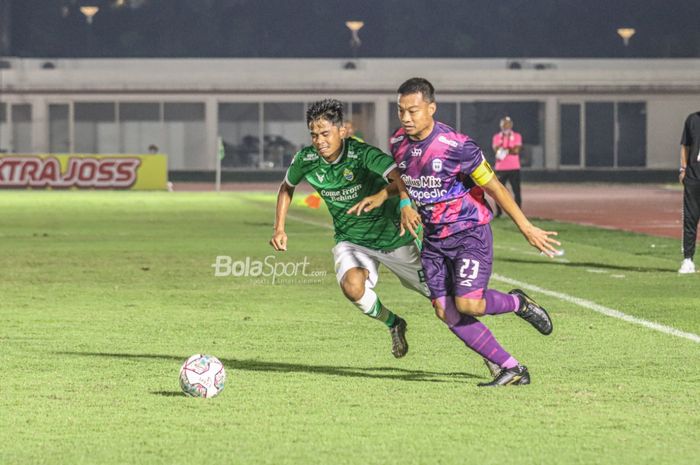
(533, 313)
(494, 369)
(399, 345)
(510, 377)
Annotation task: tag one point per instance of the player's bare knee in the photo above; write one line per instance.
(471, 307)
(353, 290)
(353, 284)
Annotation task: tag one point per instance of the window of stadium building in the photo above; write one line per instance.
(96, 129)
(59, 128)
(140, 126)
(631, 144)
(284, 133)
(21, 116)
(239, 127)
(176, 129)
(15, 128)
(184, 136)
(600, 134)
(614, 134)
(4, 129)
(570, 134)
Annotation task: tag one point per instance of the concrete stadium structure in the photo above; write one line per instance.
(576, 115)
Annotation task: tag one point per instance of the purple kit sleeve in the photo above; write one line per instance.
(470, 157)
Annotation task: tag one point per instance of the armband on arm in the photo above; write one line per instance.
(482, 174)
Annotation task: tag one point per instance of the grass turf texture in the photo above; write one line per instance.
(104, 295)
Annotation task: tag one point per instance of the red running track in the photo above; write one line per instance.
(645, 208)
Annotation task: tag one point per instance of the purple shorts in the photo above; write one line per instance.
(459, 265)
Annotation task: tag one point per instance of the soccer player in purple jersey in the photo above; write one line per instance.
(446, 174)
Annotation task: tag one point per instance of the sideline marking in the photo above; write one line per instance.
(568, 298)
(600, 309)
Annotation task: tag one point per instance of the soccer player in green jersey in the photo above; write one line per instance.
(343, 171)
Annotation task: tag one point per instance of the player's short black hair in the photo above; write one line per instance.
(329, 109)
(418, 85)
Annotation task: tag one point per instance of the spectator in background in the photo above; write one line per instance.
(690, 178)
(153, 149)
(507, 144)
(350, 131)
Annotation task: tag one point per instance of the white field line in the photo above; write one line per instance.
(567, 298)
(600, 308)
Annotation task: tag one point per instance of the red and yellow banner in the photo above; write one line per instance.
(83, 171)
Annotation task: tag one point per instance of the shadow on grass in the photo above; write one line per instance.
(638, 269)
(392, 373)
(168, 393)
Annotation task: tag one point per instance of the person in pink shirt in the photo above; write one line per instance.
(507, 144)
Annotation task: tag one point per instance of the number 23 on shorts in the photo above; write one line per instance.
(464, 271)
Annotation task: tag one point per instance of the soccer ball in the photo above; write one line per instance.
(202, 376)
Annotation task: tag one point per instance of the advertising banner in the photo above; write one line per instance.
(83, 171)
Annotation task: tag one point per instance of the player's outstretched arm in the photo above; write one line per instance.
(537, 237)
(284, 199)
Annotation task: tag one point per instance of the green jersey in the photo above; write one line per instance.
(358, 172)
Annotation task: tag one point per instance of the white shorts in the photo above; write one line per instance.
(404, 262)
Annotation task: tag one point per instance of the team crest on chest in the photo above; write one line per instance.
(437, 165)
(349, 175)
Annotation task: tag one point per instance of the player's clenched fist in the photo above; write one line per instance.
(279, 241)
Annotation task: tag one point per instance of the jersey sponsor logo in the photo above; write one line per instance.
(425, 182)
(310, 157)
(114, 173)
(320, 177)
(349, 175)
(425, 188)
(450, 142)
(342, 195)
(437, 165)
(416, 152)
(394, 140)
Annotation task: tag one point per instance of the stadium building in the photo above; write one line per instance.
(580, 119)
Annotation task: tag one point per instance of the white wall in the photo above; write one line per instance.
(665, 118)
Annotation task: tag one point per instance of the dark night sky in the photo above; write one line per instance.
(393, 28)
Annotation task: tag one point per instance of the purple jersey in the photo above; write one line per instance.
(436, 173)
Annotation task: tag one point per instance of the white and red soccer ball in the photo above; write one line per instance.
(202, 376)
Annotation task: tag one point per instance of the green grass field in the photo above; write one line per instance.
(104, 295)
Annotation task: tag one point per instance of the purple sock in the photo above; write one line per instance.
(498, 302)
(476, 336)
